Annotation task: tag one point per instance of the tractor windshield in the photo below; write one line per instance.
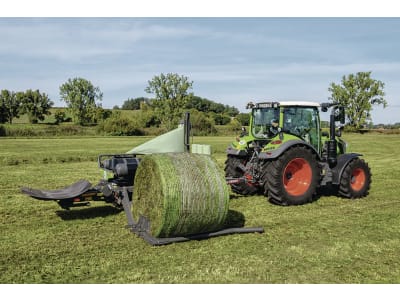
(265, 122)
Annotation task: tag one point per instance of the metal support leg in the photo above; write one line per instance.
(126, 204)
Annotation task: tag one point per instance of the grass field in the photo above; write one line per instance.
(332, 240)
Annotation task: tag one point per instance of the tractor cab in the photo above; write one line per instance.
(283, 121)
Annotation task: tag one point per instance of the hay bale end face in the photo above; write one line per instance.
(180, 194)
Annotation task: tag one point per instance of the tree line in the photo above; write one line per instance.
(195, 102)
(83, 101)
(172, 96)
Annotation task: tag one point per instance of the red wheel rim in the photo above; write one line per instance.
(297, 177)
(357, 179)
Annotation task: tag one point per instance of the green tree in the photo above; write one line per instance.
(101, 114)
(171, 96)
(60, 116)
(221, 119)
(231, 110)
(205, 105)
(35, 104)
(3, 112)
(201, 124)
(117, 124)
(235, 125)
(9, 106)
(83, 99)
(198, 103)
(243, 118)
(134, 104)
(358, 93)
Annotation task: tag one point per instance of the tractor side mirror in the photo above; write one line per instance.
(250, 105)
(340, 115)
(325, 106)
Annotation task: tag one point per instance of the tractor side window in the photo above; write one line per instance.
(264, 122)
(302, 122)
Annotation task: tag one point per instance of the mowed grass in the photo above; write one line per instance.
(331, 240)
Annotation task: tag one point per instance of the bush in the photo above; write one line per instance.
(235, 125)
(41, 130)
(243, 118)
(102, 114)
(59, 115)
(201, 124)
(119, 125)
(24, 131)
(148, 118)
(221, 119)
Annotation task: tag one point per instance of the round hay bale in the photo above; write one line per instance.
(180, 194)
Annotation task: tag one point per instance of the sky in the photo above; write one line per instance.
(231, 60)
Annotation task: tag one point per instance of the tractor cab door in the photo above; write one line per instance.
(265, 122)
(303, 122)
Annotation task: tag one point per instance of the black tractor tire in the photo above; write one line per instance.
(356, 180)
(292, 178)
(232, 169)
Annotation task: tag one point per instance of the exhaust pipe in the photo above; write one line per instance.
(337, 114)
(332, 144)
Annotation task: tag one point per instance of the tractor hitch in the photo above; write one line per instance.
(231, 181)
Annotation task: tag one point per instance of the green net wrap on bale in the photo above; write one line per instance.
(181, 194)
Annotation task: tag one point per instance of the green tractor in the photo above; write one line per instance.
(286, 156)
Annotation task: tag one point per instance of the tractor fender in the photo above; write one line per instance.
(232, 151)
(278, 152)
(342, 161)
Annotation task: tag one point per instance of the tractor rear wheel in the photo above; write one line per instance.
(293, 178)
(356, 179)
(233, 169)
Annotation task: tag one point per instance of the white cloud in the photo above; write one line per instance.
(78, 39)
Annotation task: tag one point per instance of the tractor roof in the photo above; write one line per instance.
(266, 104)
(298, 103)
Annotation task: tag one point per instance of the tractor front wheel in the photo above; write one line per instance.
(356, 179)
(292, 179)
